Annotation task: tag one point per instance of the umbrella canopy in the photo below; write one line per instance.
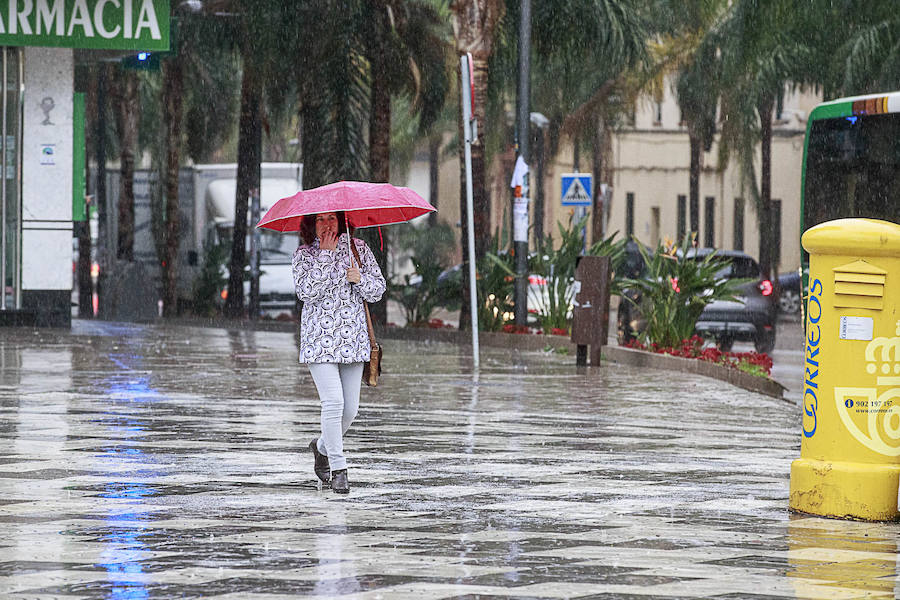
(365, 204)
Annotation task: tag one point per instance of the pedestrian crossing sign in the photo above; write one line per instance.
(576, 189)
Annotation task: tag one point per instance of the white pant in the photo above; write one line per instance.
(338, 386)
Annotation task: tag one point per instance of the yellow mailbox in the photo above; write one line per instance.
(849, 463)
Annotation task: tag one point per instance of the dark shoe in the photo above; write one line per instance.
(321, 467)
(339, 482)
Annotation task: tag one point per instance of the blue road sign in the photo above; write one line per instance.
(576, 189)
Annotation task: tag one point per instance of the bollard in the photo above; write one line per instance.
(849, 464)
(590, 308)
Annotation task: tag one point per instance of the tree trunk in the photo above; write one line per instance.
(434, 172)
(597, 176)
(173, 93)
(83, 229)
(103, 242)
(474, 22)
(248, 163)
(315, 161)
(481, 207)
(380, 142)
(766, 235)
(127, 108)
(694, 183)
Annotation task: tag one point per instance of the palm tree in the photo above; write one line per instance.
(760, 54)
(172, 100)
(126, 106)
(196, 57)
(351, 59)
(259, 41)
(474, 26)
(867, 60)
(583, 51)
(404, 42)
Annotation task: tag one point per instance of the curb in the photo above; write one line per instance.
(640, 358)
(512, 341)
(485, 338)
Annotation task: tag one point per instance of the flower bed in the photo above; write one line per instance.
(512, 328)
(754, 363)
(431, 324)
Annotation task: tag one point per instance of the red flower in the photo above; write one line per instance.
(674, 282)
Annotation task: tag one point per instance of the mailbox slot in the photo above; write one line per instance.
(859, 285)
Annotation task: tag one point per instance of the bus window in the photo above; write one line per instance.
(853, 169)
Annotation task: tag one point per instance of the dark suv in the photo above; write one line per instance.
(751, 319)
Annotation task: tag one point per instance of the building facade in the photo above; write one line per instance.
(648, 163)
(42, 146)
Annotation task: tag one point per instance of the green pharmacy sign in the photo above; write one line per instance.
(97, 24)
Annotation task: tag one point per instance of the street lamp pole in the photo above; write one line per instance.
(520, 200)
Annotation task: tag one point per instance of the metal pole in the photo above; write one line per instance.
(520, 205)
(20, 135)
(4, 249)
(100, 188)
(469, 131)
(253, 304)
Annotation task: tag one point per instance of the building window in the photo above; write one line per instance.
(695, 215)
(709, 220)
(682, 218)
(776, 234)
(739, 224)
(658, 120)
(654, 226)
(629, 214)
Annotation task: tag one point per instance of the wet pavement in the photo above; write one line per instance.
(169, 462)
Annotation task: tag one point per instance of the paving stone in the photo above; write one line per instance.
(167, 461)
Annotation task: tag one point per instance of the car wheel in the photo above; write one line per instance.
(789, 303)
(724, 343)
(764, 342)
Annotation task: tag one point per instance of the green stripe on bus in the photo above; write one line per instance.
(831, 111)
(823, 111)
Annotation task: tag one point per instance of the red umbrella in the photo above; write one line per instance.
(365, 204)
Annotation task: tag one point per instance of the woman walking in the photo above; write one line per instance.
(334, 340)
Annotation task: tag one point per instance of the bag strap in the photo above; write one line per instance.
(365, 304)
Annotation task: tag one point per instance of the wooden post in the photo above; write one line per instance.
(590, 313)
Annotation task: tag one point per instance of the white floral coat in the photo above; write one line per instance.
(333, 323)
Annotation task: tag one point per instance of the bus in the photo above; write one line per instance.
(851, 165)
(851, 161)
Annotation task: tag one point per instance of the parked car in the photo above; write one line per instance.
(276, 278)
(789, 299)
(751, 318)
(537, 289)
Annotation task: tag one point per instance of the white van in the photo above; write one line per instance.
(276, 285)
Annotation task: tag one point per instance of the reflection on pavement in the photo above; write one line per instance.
(168, 461)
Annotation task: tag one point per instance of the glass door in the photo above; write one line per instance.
(11, 92)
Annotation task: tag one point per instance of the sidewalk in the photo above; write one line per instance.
(169, 462)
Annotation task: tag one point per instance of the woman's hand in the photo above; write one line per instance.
(353, 275)
(328, 241)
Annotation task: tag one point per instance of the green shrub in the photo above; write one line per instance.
(675, 290)
(557, 267)
(431, 251)
(211, 279)
(496, 283)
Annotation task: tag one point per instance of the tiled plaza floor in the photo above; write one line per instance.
(160, 462)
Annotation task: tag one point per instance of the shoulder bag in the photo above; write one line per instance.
(371, 368)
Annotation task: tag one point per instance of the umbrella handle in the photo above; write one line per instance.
(349, 239)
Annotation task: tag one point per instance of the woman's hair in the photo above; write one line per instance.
(308, 227)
